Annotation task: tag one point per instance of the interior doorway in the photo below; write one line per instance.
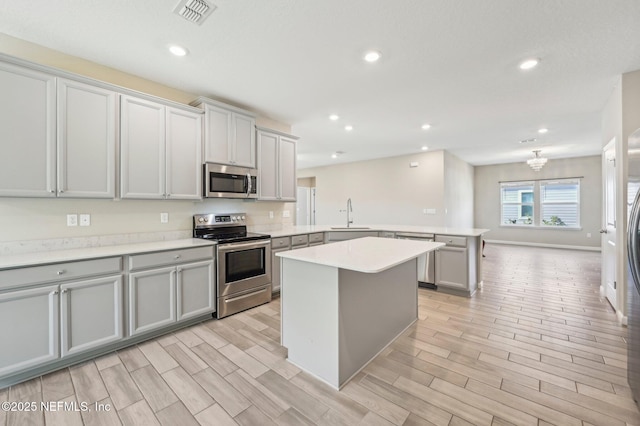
(306, 201)
(608, 231)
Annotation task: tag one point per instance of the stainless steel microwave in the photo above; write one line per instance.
(221, 181)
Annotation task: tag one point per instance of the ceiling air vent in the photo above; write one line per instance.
(195, 11)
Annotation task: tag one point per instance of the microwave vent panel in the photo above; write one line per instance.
(195, 11)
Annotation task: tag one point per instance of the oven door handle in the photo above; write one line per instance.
(235, 246)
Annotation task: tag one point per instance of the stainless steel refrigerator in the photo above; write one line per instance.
(633, 266)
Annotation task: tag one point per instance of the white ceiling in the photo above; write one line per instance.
(450, 63)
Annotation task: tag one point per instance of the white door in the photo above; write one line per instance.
(608, 230)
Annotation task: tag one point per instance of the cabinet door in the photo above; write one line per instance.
(90, 314)
(142, 141)
(244, 142)
(86, 140)
(451, 267)
(217, 129)
(276, 272)
(267, 166)
(27, 132)
(287, 169)
(184, 147)
(152, 299)
(196, 289)
(29, 332)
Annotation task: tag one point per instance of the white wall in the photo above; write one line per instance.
(389, 191)
(35, 219)
(458, 192)
(487, 201)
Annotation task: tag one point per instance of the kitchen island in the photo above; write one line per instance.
(345, 302)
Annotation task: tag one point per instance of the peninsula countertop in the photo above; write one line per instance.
(369, 254)
(309, 229)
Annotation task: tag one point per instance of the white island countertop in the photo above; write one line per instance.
(369, 254)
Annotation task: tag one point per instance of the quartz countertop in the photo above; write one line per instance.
(56, 256)
(309, 229)
(368, 254)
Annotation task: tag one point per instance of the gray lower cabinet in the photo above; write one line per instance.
(30, 328)
(451, 267)
(50, 321)
(90, 314)
(277, 245)
(161, 296)
(152, 302)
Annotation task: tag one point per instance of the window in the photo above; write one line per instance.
(560, 203)
(517, 203)
(549, 203)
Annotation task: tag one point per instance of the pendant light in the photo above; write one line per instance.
(537, 161)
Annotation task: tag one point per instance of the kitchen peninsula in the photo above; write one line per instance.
(343, 303)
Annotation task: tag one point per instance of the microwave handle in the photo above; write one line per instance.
(248, 184)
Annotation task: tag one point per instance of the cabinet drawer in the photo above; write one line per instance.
(318, 237)
(281, 242)
(170, 257)
(59, 272)
(299, 240)
(451, 241)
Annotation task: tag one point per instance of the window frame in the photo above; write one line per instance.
(519, 203)
(538, 204)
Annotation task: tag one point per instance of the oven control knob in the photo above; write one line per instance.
(234, 218)
(201, 219)
(243, 217)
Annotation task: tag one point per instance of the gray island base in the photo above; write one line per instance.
(343, 303)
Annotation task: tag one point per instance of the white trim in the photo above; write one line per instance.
(622, 319)
(560, 246)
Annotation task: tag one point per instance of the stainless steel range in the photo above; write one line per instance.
(243, 261)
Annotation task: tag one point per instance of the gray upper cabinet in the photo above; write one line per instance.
(86, 140)
(27, 132)
(229, 134)
(184, 154)
(160, 151)
(142, 148)
(276, 166)
(59, 137)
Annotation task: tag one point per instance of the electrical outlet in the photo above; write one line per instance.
(164, 217)
(286, 213)
(72, 220)
(270, 215)
(85, 219)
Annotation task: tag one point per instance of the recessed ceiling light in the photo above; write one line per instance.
(426, 126)
(424, 148)
(333, 117)
(527, 64)
(543, 130)
(372, 56)
(348, 127)
(178, 50)
(334, 155)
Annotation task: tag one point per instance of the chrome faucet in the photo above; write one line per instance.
(349, 210)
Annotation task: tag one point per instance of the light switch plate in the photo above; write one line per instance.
(164, 217)
(270, 215)
(72, 220)
(85, 219)
(286, 213)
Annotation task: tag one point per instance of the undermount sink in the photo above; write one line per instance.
(350, 227)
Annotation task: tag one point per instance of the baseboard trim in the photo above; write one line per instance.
(559, 246)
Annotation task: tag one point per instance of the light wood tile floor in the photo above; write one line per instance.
(536, 346)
